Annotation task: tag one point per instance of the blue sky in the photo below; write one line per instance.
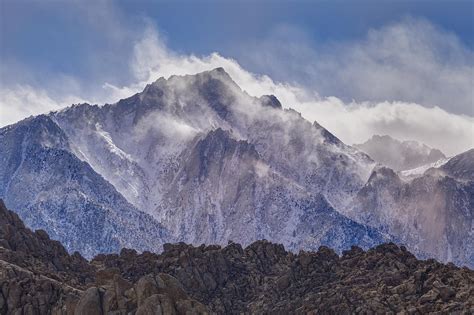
(421, 52)
(61, 36)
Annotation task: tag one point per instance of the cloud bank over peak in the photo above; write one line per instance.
(410, 56)
(353, 122)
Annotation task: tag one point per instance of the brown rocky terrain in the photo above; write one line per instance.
(38, 276)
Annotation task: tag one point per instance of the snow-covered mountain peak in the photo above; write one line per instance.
(209, 163)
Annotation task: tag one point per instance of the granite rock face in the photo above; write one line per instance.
(151, 294)
(37, 275)
(461, 166)
(36, 252)
(266, 279)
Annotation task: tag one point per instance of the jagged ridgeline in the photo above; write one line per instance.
(196, 159)
(38, 276)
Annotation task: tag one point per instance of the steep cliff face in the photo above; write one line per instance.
(38, 276)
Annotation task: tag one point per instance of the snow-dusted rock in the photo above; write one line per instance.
(53, 190)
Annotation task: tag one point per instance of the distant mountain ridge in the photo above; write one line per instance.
(196, 159)
(399, 155)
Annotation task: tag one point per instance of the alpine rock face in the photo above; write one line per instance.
(196, 159)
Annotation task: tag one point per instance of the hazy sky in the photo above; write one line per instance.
(357, 67)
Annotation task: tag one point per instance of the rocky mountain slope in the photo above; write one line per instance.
(399, 155)
(52, 189)
(196, 159)
(38, 276)
(242, 190)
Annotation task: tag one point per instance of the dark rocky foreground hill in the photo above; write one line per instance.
(37, 276)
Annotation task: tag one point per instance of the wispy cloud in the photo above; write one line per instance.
(20, 101)
(411, 61)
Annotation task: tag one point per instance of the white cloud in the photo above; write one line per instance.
(411, 61)
(352, 122)
(21, 101)
(356, 122)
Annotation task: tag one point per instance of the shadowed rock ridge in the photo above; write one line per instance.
(38, 276)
